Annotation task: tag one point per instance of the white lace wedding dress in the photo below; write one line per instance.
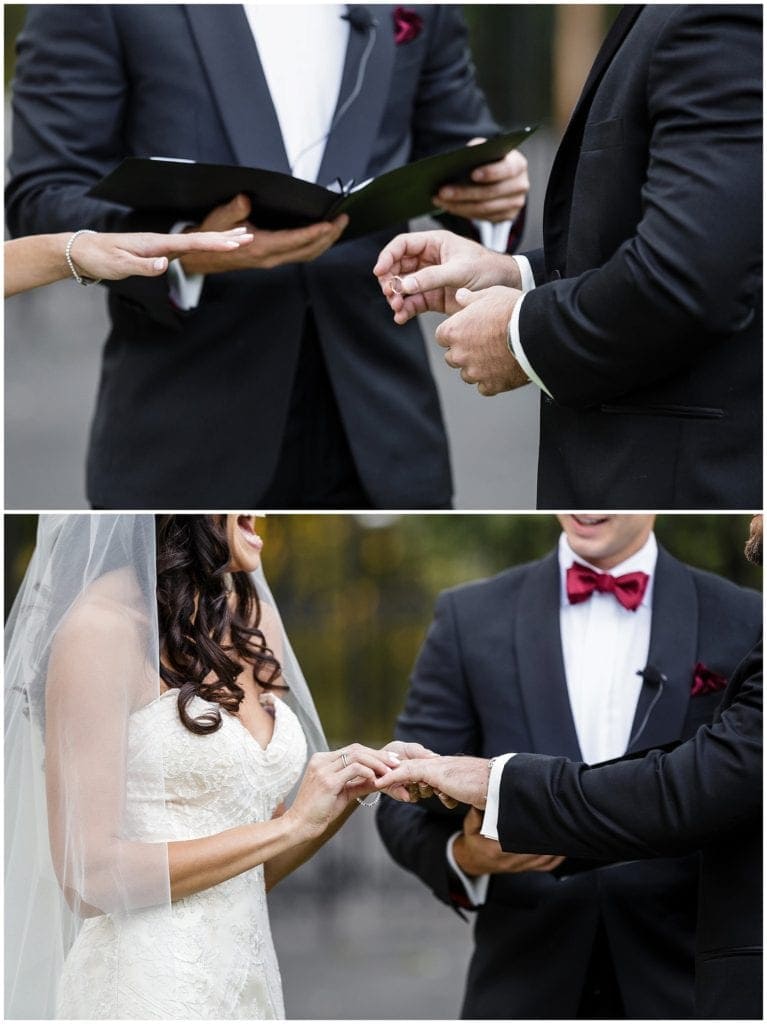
(209, 955)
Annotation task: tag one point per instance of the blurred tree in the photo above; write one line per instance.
(13, 19)
(532, 59)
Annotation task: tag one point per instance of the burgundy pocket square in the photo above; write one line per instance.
(407, 25)
(705, 681)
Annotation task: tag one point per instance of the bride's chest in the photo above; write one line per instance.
(217, 780)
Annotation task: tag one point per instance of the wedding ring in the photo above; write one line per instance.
(344, 759)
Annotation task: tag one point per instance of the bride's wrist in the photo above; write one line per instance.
(301, 829)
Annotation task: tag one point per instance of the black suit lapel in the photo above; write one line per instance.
(541, 670)
(612, 41)
(559, 189)
(349, 144)
(230, 58)
(673, 650)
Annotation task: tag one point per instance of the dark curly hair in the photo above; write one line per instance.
(202, 633)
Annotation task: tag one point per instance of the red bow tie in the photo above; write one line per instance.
(628, 589)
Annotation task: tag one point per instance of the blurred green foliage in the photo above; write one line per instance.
(13, 19)
(357, 592)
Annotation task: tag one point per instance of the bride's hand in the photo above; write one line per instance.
(410, 752)
(333, 779)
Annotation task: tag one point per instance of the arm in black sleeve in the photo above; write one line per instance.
(661, 804)
(70, 95)
(690, 275)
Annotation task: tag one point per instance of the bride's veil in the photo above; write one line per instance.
(81, 657)
(298, 697)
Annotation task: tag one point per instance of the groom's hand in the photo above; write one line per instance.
(477, 855)
(268, 248)
(476, 340)
(452, 779)
(420, 271)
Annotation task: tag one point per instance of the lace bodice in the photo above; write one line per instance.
(209, 955)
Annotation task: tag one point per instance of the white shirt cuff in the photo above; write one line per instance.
(476, 888)
(185, 289)
(494, 236)
(515, 344)
(490, 821)
(525, 272)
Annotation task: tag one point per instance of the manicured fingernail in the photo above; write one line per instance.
(478, 175)
(446, 193)
(410, 284)
(238, 231)
(160, 263)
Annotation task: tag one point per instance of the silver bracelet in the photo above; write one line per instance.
(68, 256)
(362, 800)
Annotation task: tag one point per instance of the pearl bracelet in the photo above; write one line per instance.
(68, 256)
(362, 801)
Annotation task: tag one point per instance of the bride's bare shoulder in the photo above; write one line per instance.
(108, 625)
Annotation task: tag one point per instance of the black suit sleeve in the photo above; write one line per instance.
(661, 804)
(438, 713)
(70, 97)
(691, 272)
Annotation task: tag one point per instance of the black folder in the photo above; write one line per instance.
(189, 189)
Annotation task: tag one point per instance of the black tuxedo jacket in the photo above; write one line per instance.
(646, 323)
(489, 679)
(192, 406)
(706, 794)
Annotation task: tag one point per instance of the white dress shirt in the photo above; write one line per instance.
(604, 646)
(302, 49)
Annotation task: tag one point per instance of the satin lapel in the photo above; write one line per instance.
(347, 151)
(673, 649)
(541, 669)
(230, 58)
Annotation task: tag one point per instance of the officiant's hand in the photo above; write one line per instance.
(476, 340)
(497, 192)
(476, 855)
(422, 270)
(268, 248)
